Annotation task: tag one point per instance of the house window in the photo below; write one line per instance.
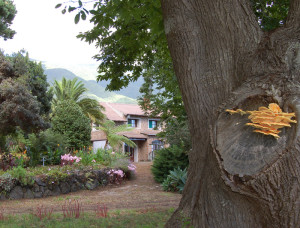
(153, 124)
(133, 122)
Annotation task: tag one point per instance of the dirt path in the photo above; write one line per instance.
(141, 193)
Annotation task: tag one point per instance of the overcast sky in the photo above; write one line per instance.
(48, 35)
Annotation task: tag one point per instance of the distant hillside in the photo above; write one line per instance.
(89, 72)
(133, 89)
(95, 90)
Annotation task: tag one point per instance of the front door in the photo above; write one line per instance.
(130, 151)
(131, 154)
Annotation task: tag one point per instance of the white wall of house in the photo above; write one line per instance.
(98, 145)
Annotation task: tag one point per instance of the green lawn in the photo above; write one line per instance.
(117, 218)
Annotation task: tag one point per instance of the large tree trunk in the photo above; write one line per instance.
(222, 60)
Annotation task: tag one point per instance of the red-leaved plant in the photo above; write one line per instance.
(101, 211)
(72, 209)
(42, 212)
(2, 214)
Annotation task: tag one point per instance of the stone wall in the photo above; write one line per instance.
(77, 180)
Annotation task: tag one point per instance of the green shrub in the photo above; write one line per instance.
(175, 181)
(53, 157)
(167, 185)
(69, 120)
(25, 178)
(103, 156)
(48, 144)
(56, 175)
(87, 158)
(7, 182)
(108, 157)
(166, 159)
(121, 163)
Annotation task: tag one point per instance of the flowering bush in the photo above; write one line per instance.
(67, 159)
(116, 176)
(131, 167)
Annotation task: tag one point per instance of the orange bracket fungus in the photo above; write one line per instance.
(267, 121)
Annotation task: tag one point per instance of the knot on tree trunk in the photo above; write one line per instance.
(242, 153)
(259, 166)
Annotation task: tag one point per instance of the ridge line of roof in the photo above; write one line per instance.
(115, 110)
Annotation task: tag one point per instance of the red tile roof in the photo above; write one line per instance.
(111, 113)
(118, 112)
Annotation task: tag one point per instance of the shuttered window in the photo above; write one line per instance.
(132, 122)
(152, 123)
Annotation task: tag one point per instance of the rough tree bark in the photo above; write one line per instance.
(222, 59)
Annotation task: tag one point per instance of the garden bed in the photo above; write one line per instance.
(86, 171)
(61, 180)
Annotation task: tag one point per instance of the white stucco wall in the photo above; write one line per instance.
(98, 144)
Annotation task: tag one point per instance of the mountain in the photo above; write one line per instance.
(95, 90)
(132, 90)
(89, 72)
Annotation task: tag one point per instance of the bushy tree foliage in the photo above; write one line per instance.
(24, 99)
(35, 79)
(271, 14)
(20, 106)
(7, 15)
(166, 160)
(176, 132)
(69, 120)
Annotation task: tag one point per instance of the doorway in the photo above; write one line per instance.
(132, 152)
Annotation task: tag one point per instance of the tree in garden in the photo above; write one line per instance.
(35, 79)
(19, 108)
(73, 90)
(224, 59)
(114, 138)
(69, 120)
(7, 14)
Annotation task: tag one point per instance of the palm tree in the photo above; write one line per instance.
(114, 139)
(73, 90)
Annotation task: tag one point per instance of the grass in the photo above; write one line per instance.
(146, 218)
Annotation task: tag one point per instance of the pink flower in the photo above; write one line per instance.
(68, 159)
(132, 167)
(112, 152)
(93, 160)
(119, 173)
